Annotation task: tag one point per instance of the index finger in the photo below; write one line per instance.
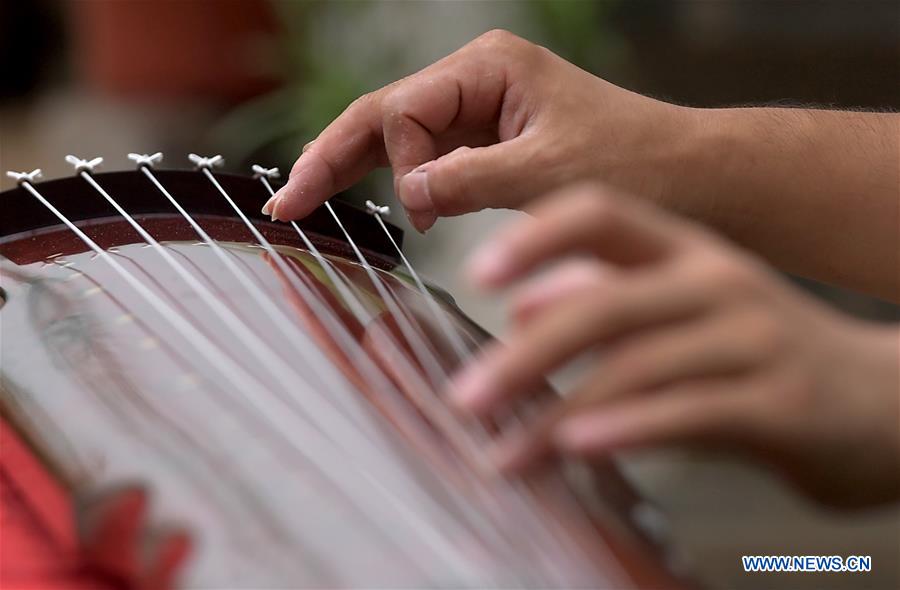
(395, 125)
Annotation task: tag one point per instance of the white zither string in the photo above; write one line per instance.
(344, 290)
(176, 430)
(412, 334)
(463, 352)
(530, 511)
(278, 317)
(424, 403)
(267, 357)
(263, 353)
(299, 339)
(240, 378)
(433, 408)
(348, 345)
(409, 332)
(436, 413)
(324, 459)
(335, 328)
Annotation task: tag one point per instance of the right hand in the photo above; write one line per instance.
(492, 125)
(698, 344)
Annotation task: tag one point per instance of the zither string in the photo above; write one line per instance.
(337, 330)
(532, 515)
(344, 441)
(463, 352)
(244, 381)
(303, 345)
(433, 408)
(247, 384)
(424, 403)
(275, 313)
(177, 359)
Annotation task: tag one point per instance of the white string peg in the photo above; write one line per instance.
(268, 173)
(208, 163)
(146, 160)
(21, 177)
(82, 165)
(374, 209)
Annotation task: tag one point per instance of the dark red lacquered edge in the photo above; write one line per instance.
(21, 213)
(40, 244)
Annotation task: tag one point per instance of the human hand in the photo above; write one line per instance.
(492, 125)
(700, 344)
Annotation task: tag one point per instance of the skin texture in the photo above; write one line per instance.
(699, 343)
(502, 121)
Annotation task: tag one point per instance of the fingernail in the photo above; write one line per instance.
(471, 388)
(488, 265)
(421, 220)
(307, 146)
(414, 190)
(275, 209)
(270, 204)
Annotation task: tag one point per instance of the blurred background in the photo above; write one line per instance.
(256, 79)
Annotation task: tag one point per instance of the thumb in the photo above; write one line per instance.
(470, 179)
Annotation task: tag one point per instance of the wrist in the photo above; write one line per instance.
(706, 154)
(664, 160)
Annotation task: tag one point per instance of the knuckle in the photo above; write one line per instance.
(521, 309)
(623, 363)
(363, 104)
(727, 275)
(793, 393)
(761, 333)
(399, 96)
(503, 43)
(453, 163)
(395, 101)
(362, 101)
(449, 184)
(599, 206)
(498, 39)
(597, 312)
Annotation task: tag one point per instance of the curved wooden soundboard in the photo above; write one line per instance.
(56, 452)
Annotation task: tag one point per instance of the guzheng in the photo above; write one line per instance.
(273, 394)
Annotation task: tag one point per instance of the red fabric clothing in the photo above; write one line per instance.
(41, 548)
(38, 541)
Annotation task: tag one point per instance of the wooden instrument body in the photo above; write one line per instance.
(106, 394)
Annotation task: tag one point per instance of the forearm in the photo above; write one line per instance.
(815, 192)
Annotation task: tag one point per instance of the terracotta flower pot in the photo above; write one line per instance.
(162, 49)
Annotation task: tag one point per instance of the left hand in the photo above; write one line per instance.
(700, 344)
